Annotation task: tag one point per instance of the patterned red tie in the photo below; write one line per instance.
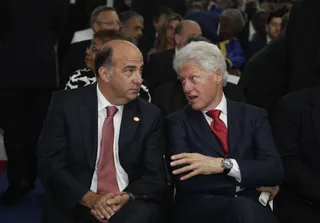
(219, 129)
(107, 175)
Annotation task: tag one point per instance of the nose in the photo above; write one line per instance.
(138, 78)
(187, 87)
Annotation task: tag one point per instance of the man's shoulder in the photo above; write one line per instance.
(181, 114)
(72, 95)
(298, 99)
(246, 110)
(147, 108)
(162, 55)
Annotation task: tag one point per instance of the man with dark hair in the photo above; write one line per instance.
(101, 148)
(272, 30)
(131, 25)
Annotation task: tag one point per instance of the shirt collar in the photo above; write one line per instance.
(103, 102)
(222, 106)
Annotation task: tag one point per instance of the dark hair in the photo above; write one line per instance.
(95, 13)
(278, 13)
(197, 39)
(127, 15)
(179, 28)
(103, 59)
(195, 4)
(163, 10)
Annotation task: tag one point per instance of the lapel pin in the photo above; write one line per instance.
(136, 119)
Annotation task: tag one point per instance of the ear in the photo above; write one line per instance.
(95, 27)
(219, 76)
(266, 27)
(104, 74)
(121, 26)
(177, 39)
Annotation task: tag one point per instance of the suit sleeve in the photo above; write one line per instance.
(266, 169)
(152, 185)
(287, 127)
(52, 158)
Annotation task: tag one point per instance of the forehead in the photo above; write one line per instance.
(276, 20)
(128, 54)
(135, 21)
(108, 15)
(189, 67)
(96, 41)
(173, 23)
(191, 29)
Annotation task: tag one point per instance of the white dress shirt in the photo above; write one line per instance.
(222, 106)
(122, 176)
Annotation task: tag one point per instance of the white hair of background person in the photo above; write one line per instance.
(207, 55)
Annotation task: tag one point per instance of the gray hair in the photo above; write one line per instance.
(127, 15)
(96, 12)
(234, 17)
(206, 54)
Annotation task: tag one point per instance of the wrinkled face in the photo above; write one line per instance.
(201, 88)
(188, 30)
(107, 20)
(133, 29)
(96, 44)
(170, 30)
(274, 27)
(125, 79)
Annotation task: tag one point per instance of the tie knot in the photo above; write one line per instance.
(214, 113)
(111, 111)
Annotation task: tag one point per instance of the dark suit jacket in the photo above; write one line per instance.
(29, 30)
(68, 147)
(170, 98)
(250, 144)
(159, 70)
(256, 45)
(265, 78)
(297, 136)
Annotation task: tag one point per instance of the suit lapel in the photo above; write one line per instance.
(202, 129)
(233, 127)
(88, 118)
(131, 119)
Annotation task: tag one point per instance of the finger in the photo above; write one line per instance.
(105, 211)
(96, 215)
(98, 212)
(183, 169)
(180, 156)
(114, 201)
(189, 175)
(181, 162)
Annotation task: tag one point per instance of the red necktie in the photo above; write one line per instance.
(219, 129)
(107, 175)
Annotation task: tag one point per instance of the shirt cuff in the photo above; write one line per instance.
(235, 171)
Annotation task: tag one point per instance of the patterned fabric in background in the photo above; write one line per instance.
(84, 77)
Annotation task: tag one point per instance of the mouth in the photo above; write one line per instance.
(192, 98)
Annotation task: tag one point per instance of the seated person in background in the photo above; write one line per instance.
(101, 149)
(296, 129)
(222, 151)
(131, 26)
(86, 76)
(272, 30)
(231, 23)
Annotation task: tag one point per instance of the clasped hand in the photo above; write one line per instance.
(107, 205)
(195, 164)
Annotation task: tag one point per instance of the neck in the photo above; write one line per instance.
(216, 101)
(107, 92)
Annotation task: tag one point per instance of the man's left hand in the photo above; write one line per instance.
(196, 163)
(272, 190)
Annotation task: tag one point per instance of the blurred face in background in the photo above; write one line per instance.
(170, 31)
(159, 23)
(133, 29)
(107, 20)
(273, 29)
(91, 51)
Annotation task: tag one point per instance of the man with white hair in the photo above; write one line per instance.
(222, 152)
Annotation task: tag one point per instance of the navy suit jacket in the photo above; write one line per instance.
(250, 144)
